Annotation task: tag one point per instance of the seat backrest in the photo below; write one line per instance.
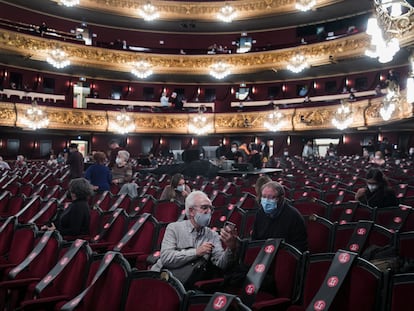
(113, 229)
(7, 228)
(69, 274)
(401, 287)
(167, 211)
(106, 284)
(154, 291)
(320, 234)
(30, 208)
(47, 211)
(198, 302)
(361, 290)
(311, 205)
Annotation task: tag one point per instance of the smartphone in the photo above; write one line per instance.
(229, 224)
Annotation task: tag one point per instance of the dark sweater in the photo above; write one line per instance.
(75, 219)
(99, 175)
(381, 197)
(288, 224)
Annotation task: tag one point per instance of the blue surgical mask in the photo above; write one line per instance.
(268, 205)
(180, 188)
(203, 220)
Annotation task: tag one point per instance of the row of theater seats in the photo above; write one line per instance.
(47, 273)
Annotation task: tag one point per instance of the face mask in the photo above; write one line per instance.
(118, 161)
(268, 205)
(180, 188)
(203, 220)
(377, 157)
(372, 188)
(233, 150)
(285, 154)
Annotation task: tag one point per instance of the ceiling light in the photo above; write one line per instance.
(297, 63)
(227, 14)
(305, 5)
(199, 124)
(123, 123)
(58, 59)
(274, 121)
(393, 18)
(34, 117)
(141, 69)
(220, 70)
(343, 117)
(69, 3)
(148, 12)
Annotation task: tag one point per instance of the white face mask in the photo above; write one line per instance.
(118, 161)
(285, 153)
(377, 157)
(233, 149)
(180, 188)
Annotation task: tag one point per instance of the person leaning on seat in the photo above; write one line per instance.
(185, 241)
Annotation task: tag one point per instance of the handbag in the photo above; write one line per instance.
(191, 272)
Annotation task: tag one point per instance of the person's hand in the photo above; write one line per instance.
(229, 237)
(95, 188)
(360, 193)
(184, 193)
(204, 249)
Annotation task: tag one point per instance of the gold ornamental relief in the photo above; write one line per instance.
(7, 114)
(316, 117)
(78, 119)
(159, 122)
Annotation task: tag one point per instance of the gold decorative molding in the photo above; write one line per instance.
(365, 112)
(317, 54)
(201, 11)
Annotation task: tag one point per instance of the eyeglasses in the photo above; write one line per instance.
(205, 207)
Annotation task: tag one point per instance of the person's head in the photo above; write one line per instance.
(80, 188)
(273, 196)
(198, 209)
(286, 152)
(99, 157)
(234, 147)
(259, 184)
(20, 158)
(178, 182)
(309, 143)
(379, 155)
(113, 144)
(73, 147)
(173, 94)
(375, 179)
(411, 150)
(122, 157)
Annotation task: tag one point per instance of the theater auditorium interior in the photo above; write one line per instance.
(178, 84)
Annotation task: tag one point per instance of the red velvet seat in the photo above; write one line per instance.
(142, 204)
(151, 291)
(400, 289)
(320, 234)
(167, 211)
(311, 205)
(64, 281)
(197, 302)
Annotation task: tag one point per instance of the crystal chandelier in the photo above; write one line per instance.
(199, 124)
(58, 59)
(141, 69)
(34, 117)
(297, 63)
(69, 3)
(274, 120)
(227, 14)
(343, 117)
(148, 12)
(393, 18)
(220, 70)
(123, 123)
(389, 103)
(305, 5)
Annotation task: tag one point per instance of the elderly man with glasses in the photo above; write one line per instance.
(186, 241)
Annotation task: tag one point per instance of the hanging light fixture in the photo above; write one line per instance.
(274, 120)
(199, 124)
(34, 117)
(69, 3)
(148, 12)
(390, 102)
(393, 18)
(343, 117)
(141, 69)
(305, 5)
(123, 123)
(227, 14)
(220, 70)
(297, 63)
(58, 59)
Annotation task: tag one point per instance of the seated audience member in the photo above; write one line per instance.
(74, 220)
(176, 190)
(186, 241)
(3, 164)
(378, 159)
(177, 101)
(122, 174)
(52, 160)
(259, 184)
(20, 161)
(99, 174)
(164, 100)
(377, 193)
(60, 158)
(278, 219)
